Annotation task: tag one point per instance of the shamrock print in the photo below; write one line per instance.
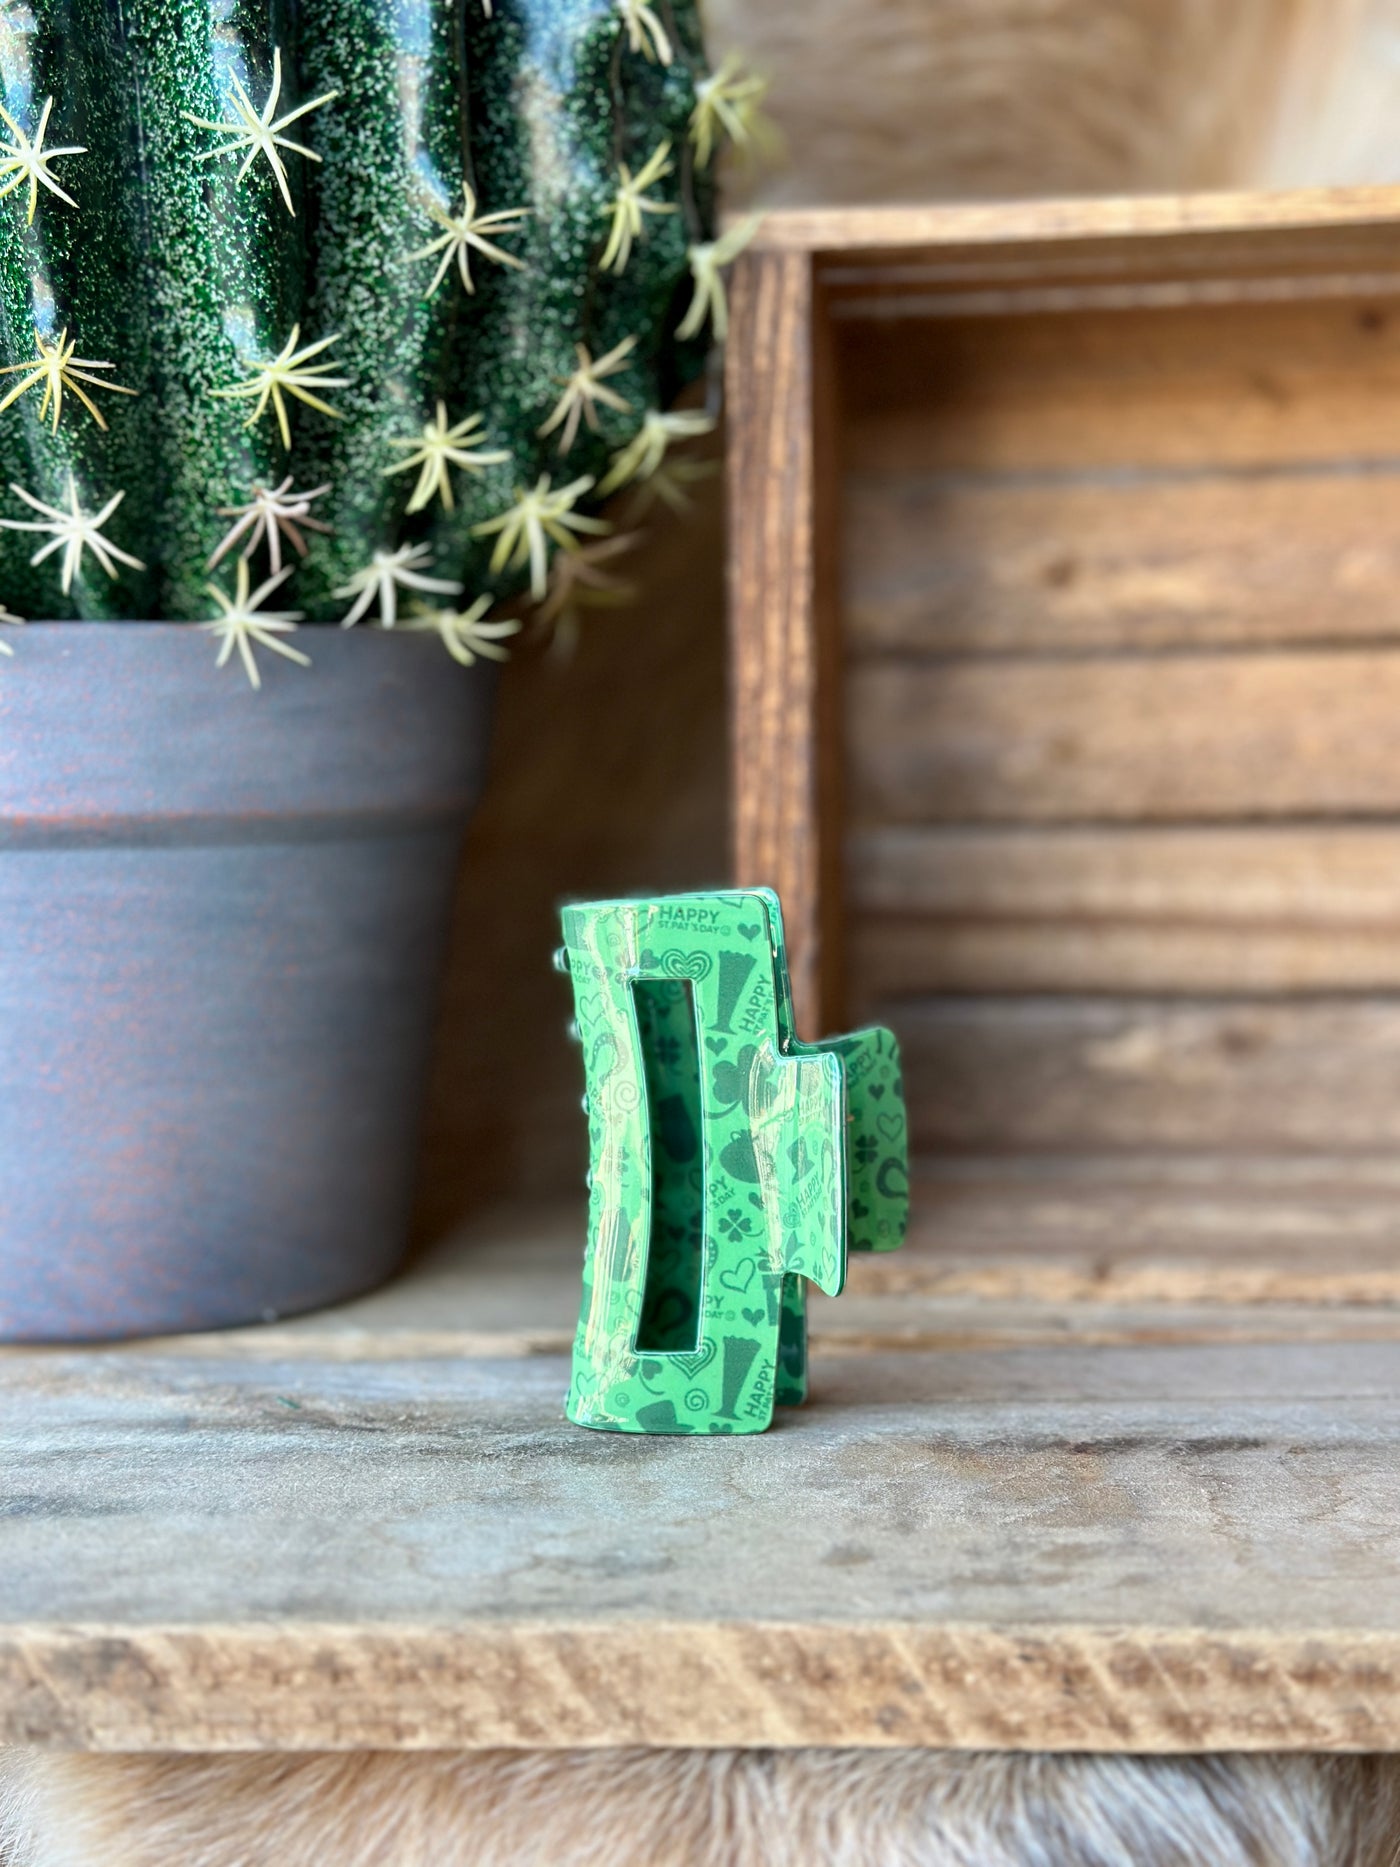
(732, 1080)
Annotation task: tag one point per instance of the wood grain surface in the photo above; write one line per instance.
(1170, 738)
(1085, 1075)
(1303, 214)
(1271, 1244)
(1085, 1468)
(680, 1682)
(784, 713)
(1136, 908)
(1122, 561)
(1189, 387)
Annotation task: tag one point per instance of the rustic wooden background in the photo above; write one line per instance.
(1123, 720)
(609, 770)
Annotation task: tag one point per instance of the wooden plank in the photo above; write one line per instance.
(1256, 909)
(786, 800)
(1093, 1075)
(942, 1321)
(896, 230)
(1015, 1685)
(946, 565)
(886, 262)
(1029, 1506)
(1178, 1237)
(1171, 737)
(1038, 1548)
(899, 957)
(1340, 877)
(1236, 385)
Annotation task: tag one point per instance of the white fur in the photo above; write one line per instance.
(700, 1809)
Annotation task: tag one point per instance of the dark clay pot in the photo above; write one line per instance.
(223, 917)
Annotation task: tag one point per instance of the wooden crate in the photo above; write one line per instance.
(1065, 581)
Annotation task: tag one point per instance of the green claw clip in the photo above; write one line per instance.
(731, 1164)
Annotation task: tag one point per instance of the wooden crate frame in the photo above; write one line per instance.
(784, 455)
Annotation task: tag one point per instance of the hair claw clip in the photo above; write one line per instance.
(730, 1163)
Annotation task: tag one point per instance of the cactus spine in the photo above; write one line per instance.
(349, 255)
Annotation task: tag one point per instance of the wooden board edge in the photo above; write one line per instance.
(784, 671)
(847, 231)
(484, 1685)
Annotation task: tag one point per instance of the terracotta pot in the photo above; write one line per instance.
(223, 919)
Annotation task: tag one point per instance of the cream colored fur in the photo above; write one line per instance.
(879, 100)
(703, 1809)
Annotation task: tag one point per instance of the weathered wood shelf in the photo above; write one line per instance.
(1109, 1458)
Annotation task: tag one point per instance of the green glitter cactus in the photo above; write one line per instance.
(348, 310)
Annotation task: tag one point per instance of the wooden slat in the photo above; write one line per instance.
(1190, 386)
(1040, 1548)
(943, 1322)
(1172, 737)
(782, 589)
(1168, 1241)
(1255, 909)
(1012, 1684)
(1245, 876)
(1153, 1075)
(948, 565)
(901, 957)
(1311, 215)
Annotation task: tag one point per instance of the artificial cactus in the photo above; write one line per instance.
(355, 307)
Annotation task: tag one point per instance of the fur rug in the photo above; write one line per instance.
(700, 1809)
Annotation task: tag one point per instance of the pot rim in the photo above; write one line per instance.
(107, 721)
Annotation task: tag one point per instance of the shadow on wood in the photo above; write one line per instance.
(608, 777)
